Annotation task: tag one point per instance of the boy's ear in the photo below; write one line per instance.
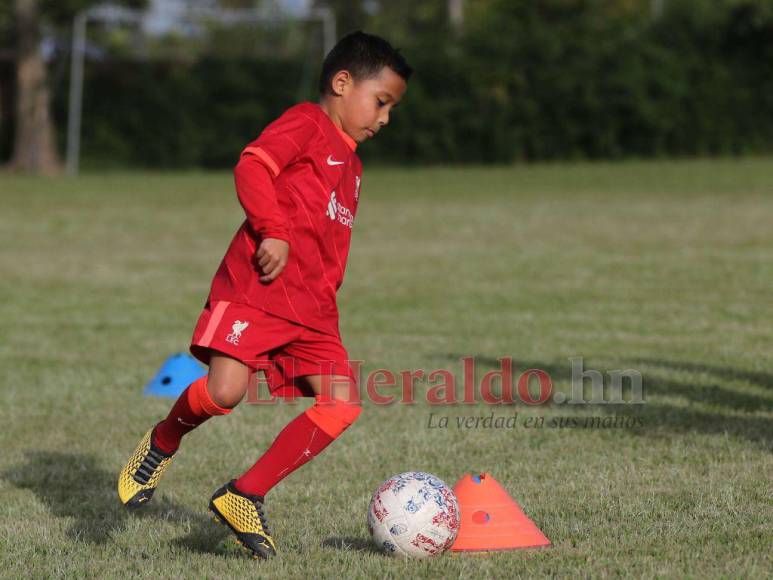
(340, 82)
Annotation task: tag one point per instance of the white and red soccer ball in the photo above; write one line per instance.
(414, 514)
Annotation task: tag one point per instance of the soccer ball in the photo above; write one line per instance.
(413, 514)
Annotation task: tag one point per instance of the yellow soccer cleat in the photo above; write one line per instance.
(140, 475)
(243, 514)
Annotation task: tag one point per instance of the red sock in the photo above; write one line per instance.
(298, 443)
(193, 407)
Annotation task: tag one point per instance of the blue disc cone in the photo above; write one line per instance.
(177, 372)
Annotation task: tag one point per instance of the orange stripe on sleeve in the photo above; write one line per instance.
(264, 157)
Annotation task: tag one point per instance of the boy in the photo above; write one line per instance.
(272, 304)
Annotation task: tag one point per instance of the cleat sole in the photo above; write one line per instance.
(140, 499)
(218, 518)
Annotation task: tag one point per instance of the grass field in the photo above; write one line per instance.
(666, 268)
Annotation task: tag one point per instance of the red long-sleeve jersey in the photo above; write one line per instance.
(298, 181)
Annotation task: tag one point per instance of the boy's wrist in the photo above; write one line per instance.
(277, 235)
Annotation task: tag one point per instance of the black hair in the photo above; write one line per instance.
(364, 56)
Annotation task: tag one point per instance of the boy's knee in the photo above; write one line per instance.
(226, 395)
(228, 380)
(334, 416)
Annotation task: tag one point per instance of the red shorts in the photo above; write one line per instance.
(283, 350)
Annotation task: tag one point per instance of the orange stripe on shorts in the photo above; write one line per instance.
(214, 321)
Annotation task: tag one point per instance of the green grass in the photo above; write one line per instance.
(664, 267)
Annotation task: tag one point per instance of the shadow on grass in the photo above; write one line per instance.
(350, 544)
(757, 379)
(72, 485)
(734, 413)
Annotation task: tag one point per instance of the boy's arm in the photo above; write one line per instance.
(262, 161)
(257, 195)
(260, 164)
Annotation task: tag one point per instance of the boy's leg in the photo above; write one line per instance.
(216, 393)
(334, 410)
(213, 394)
(239, 503)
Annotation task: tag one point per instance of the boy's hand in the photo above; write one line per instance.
(272, 258)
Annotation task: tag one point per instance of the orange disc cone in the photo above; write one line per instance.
(491, 519)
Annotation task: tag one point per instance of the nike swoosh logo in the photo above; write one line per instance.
(330, 161)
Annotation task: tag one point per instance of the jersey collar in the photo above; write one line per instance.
(351, 143)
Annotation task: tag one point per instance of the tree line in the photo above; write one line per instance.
(504, 81)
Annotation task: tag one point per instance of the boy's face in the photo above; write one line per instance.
(365, 105)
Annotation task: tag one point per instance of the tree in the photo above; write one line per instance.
(34, 148)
